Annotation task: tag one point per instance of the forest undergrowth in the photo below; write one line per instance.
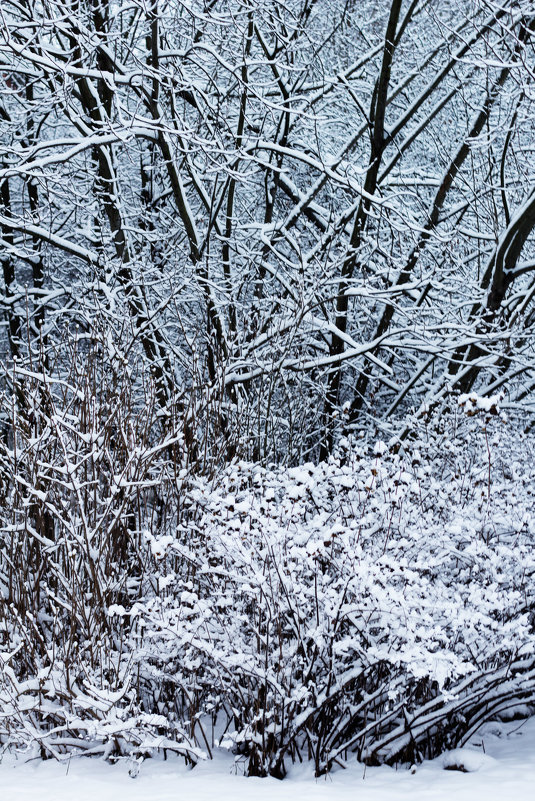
(377, 605)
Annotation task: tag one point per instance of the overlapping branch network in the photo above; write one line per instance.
(331, 202)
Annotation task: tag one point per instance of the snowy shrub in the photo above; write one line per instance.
(80, 475)
(380, 603)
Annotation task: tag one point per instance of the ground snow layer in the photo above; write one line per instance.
(500, 765)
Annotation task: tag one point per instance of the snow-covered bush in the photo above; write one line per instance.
(81, 475)
(380, 603)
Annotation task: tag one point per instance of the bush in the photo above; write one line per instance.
(380, 603)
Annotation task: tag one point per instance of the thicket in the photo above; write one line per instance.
(378, 604)
(267, 273)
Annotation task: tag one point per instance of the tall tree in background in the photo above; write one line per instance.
(296, 219)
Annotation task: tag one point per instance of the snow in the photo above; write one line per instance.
(500, 765)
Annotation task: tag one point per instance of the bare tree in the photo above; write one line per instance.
(313, 203)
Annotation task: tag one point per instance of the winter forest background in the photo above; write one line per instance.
(267, 386)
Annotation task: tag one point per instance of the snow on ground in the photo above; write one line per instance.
(500, 762)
